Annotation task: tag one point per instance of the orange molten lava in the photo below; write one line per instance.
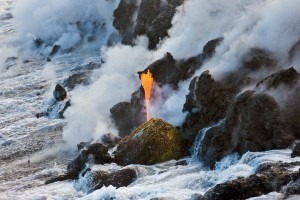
(147, 81)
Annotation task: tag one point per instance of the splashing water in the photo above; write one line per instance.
(197, 146)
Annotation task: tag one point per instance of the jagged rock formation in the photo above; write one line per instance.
(150, 18)
(269, 178)
(206, 103)
(253, 123)
(153, 142)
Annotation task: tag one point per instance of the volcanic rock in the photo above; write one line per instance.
(77, 79)
(61, 113)
(256, 59)
(55, 49)
(62, 177)
(78, 164)
(210, 47)
(119, 178)
(167, 70)
(59, 93)
(153, 19)
(110, 140)
(253, 123)
(128, 115)
(123, 19)
(292, 188)
(153, 142)
(296, 150)
(287, 77)
(206, 103)
(82, 145)
(122, 114)
(97, 150)
(272, 178)
(38, 42)
(100, 153)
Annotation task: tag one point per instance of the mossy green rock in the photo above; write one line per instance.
(153, 142)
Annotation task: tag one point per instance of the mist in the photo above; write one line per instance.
(88, 118)
(66, 23)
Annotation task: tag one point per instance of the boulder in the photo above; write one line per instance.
(296, 150)
(206, 104)
(153, 142)
(253, 123)
(271, 178)
(59, 93)
(119, 178)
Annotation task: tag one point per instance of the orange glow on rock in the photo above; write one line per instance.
(147, 82)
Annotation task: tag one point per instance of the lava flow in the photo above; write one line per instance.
(147, 81)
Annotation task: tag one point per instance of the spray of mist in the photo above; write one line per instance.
(66, 23)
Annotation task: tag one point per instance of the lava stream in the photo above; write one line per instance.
(147, 82)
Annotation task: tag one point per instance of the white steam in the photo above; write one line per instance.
(117, 79)
(67, 23)
(269, 24)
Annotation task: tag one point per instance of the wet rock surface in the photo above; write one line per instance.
(270, 177)
(253, 123)
(206, 103)
(153, 142)
(296, 150)
(99, 153)
(59, 93)
(119, 178)
(293, 188)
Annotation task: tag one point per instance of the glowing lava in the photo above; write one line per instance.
(147, 82)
